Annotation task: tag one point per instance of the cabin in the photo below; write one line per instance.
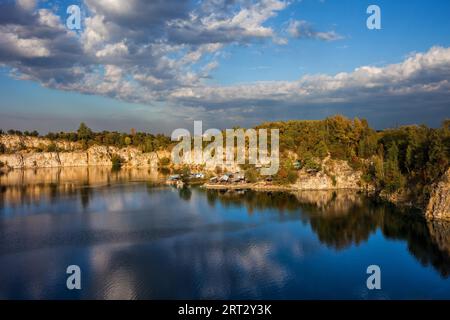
(224, 178)
(199, 175)
(174, 177)
(238, 178)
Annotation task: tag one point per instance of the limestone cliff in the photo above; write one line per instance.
(335, 174)
(26, 152)
(439, 204)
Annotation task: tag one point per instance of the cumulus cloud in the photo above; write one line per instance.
(158, 46)
(161, 51)
(301, 29)
(242, 25)
(420, 80)
(422, 72)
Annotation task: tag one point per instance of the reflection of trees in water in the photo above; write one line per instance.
(428, 241)
(282, 201)
(185, 193)
(341, 219)
(85, 195)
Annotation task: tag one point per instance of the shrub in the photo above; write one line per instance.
(287, 174)
(251, 174)
(52, 147)
(117, 161)
(164, 162)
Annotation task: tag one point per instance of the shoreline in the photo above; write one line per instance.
(272, 187)
(257, 186)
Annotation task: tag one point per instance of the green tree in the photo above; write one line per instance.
(393, 178)
(84, 132)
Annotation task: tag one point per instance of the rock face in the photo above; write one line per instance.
(336, 174)
(26, 156)
(439, 203)
(440, 233)
(14, 142)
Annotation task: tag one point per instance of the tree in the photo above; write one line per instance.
(84, 132)
(392, 176)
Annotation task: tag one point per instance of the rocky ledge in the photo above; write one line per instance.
(94, 156)
(439, 203)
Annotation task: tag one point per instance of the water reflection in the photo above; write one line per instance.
(341, 219)
(25, 187)
(134, 238)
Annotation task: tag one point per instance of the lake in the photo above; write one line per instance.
(134, 238)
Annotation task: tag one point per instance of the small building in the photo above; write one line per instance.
(174, 177)
(224, 178)
(238, 178)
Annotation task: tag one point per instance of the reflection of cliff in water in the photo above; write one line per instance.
(20, 187)
(344, 218)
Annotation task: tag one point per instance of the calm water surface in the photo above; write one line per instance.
(134, 239)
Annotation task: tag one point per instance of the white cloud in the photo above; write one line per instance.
(301, 29)
(162, 50)
(423, 72)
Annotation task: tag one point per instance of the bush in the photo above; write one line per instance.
(310, 164)
(52, 147)
(251, 175)
(292, 176)
(2, 148)
(164, 162)
(117, 161)
(287, 174)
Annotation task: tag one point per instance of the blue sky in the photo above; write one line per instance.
(161, 65)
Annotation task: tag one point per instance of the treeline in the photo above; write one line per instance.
(87, 137)
(33, 133)
(409, 156)
(405, 158)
